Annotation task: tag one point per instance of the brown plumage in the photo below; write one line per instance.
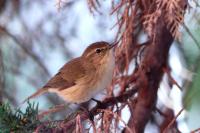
(83, 77)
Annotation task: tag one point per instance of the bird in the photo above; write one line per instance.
(80, 79)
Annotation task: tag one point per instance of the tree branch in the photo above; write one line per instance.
(94, 111)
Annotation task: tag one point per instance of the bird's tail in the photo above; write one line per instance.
(37, 93)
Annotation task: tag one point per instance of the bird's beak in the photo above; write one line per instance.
(113, 45)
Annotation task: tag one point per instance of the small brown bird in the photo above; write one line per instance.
(82, 78)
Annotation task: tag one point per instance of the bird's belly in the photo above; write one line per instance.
(75, 94)
(82, 93)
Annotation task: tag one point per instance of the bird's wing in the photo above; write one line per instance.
(58, 82)
(67, 75)
(65, 78)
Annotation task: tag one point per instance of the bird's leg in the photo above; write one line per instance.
(99, 103)
(90, 115)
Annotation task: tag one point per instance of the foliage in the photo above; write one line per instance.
(18, 121)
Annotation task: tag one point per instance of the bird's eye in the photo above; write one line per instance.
(98, 50)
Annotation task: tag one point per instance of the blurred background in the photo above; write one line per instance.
(38, 37)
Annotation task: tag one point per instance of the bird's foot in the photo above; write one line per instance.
(99, 103)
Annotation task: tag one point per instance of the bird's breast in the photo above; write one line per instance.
(106, 72)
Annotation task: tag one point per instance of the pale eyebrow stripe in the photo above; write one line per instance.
(95, 51)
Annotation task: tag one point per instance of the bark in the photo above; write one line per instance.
(149, 75)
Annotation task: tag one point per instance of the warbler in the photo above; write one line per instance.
(83, 77)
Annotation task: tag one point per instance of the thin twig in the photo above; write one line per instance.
(52, 110)
(191, 35)
(196, 130)
(172, 122)
(166, 70)
(117, 117)
(79, 127)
